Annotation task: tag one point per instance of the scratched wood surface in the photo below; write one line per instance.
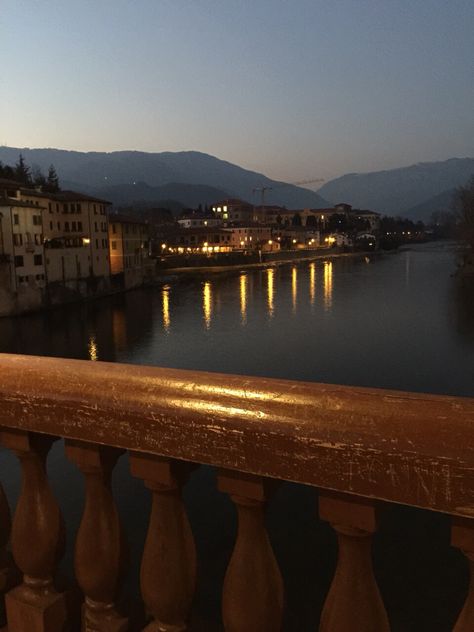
(408, 448)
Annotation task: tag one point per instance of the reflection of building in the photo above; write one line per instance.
(129, 250)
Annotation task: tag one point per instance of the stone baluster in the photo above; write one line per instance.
(5, 569)
(168, 569)
(354, 602)
(253, 588)
(100, 551)
(462, 537)
(38, 540)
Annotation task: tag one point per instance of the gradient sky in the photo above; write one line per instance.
(295, 89)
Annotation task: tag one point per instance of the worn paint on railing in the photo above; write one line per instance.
(409, 448)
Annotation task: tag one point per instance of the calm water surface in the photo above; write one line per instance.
(399, 321)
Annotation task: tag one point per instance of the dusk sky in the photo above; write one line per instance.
(295, 89)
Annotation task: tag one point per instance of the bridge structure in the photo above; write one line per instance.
(362, 450)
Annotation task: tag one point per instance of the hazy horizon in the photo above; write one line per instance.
(293, 90)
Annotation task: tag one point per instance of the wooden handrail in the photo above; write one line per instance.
(408, 448)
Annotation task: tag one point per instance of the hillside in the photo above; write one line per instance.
(397, 191)
(101, 170)
(438, 203)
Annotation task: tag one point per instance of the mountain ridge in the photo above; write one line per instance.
(396, 191)
(99, 169)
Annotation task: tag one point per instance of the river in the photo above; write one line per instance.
(398, 320)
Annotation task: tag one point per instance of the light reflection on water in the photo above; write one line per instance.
(207, 303)
(270, 291)
(294, 287)
(328, 285)
(243, 298)
(312, 283)
(396, 323)
(165, 295)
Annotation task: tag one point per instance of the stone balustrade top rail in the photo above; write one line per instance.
(408, 448)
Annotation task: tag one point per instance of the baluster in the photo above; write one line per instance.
(462, 537)
(5, 569)
(38, 540)
(168, 570)
(253, 588)
(354, 602)
(100, 551)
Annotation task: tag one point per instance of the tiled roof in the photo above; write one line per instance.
(8, 201)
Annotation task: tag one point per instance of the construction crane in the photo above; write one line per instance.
(264, 188)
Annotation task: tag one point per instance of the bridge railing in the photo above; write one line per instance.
(357, 446)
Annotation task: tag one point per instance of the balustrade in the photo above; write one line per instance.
(356, 446)
(38, 540)
(5, 565)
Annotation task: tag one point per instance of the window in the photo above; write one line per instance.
(66, 226)
(38, 260)
(97, 245)
(50, 225)
(95, 227)
(36, 220)
(65, 208)
(79, 225)
(78, 208)
(40, 277)
(95, 210)
(114, 229)
(73, 226)
(38, 239)
(113, 245)
(19, 261)
(18, 239)
(59, 225)
(16, 219)
(50, 207)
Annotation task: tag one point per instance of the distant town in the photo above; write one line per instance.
(59, 246)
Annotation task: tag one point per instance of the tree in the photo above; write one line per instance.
(464, 210)
(296, 220)
(7, 172)
(52, 183)
(38, 176)
(22, 171)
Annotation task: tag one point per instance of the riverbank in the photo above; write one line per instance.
(312, 255)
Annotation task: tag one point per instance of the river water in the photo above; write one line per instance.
(397, 321)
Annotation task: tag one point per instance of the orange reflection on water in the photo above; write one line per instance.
(312, 282)
(243, 298)
(207, 303)
(165, 307)
(270, 290)
(119, 329)
(327, 285)
(93, 349)
(294, 286)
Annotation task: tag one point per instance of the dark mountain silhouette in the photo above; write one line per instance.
(143, 195)
(396, 191)
(439, 203)
(99, 170)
